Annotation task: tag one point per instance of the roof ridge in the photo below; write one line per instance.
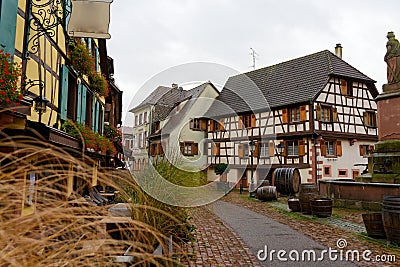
(348, 64)
(283, 62)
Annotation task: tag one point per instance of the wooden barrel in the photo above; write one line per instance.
(294, 204)
(266, 193)
(308, 192)
(374, 224)
(391, 217)
(287, 180)
(321, 207)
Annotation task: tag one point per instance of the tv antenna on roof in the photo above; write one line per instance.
(254, 55)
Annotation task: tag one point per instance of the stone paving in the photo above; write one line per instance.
(216, 243)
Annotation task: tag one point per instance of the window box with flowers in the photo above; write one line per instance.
(98, 83)
(10, 73)
(90, 140)
(80, 57)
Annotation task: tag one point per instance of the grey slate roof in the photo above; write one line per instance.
(294, 81)
(175, 119)
(152, 99)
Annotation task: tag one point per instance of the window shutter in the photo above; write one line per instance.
(302, 148)
(365, 115)
(253, 120)
(241, 151)
(79, 104)
(182, 146)
(93, 113)
(64, 93)
(222, 124)
(362, 151)
(339, 152)
(271, 148)
(323, 148)
(83, 105)
(152, 150)
(318, 111)
(285, 118)
(8, 25)
(158, 149)
(102, 120)
(240, 123)
(203, 125)
(256, 153)
(195, 148)
(343, 84)
(303, 113)
(216, 149)
(284, 149)
(334, 114)
(191, 124)
(212, 124)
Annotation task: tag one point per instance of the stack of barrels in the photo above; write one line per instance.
(307, 193)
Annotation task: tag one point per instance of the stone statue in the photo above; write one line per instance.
(392, 59)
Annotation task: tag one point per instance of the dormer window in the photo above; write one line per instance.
(346, 87)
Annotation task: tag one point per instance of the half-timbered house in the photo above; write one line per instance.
(54, 87)
(315, 113)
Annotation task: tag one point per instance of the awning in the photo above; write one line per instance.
(90, 18)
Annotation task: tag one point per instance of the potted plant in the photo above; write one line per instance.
(10, 72)
(98, 83)
(80, 57)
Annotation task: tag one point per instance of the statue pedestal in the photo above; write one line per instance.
(387, 88)
(389, 112)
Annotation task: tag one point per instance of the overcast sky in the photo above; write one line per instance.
(149, 36)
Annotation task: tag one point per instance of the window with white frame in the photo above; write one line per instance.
(330, 148)
(140, 119)
(264, 150)
(292, 148)
(294, 114)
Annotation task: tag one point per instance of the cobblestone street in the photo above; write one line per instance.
(218, 245)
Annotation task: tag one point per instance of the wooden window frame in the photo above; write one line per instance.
(337, 144)
(294, 115)
(243, 151)
(366, 150)
(189, 148)
(140, 118)
(370, 119)
(247, 121)
(198, 124)
(292, 153)
(263, 149)
(145, 119)
(346, 88)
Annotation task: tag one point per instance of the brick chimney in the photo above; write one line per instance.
(338, 50)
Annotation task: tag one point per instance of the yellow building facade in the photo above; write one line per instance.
(55, 89)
